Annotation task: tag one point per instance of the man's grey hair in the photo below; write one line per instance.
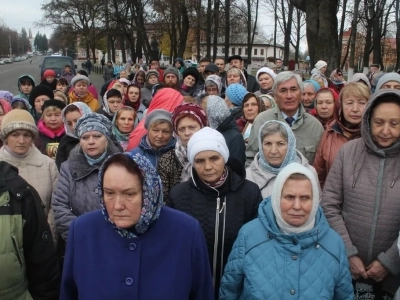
(286, 76)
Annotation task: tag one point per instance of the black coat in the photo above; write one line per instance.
(234, 139)
(241, 198)
(44, 140)
(67, 143)
(252, 84)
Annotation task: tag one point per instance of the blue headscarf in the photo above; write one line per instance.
(152, 197)
(291, 154)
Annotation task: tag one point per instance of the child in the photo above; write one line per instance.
(67, 73)
(49, 79)
(25, 85)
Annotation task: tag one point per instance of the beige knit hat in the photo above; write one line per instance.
(17, 119)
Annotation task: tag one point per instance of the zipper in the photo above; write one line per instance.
(216, 241)
(223, 237)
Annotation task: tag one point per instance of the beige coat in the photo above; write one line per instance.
(40, 171)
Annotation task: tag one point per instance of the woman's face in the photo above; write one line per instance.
(133, 94)
(125, 121)
(71, 118)
(178, 64)
(39, 101)
(189, 81)
(114, 103)
(275, 149)
(140, 79)
(353, 109)
(209, 166)
(323, 70)
(395, 85)
(233, 78)
(122, 193)
(123, 74)
(19, 141)
(153, 79)
(81, 87)
(93, 143)
(186, 128)
(52, 118)
(62, 87)
(385, 125)
(160, 135)
(265, 81)
(325, 105)
(250, 109)
(124, 88)
(308, 95)
(212, 90)
(296, 202)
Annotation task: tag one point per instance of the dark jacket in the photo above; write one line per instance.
(252, 84)
(37, 263)
(234, 139)
(236, 203)
(101, 111)
(170, 170)
(67, 143)
(108, 73)
(44, 140)
(52, 85)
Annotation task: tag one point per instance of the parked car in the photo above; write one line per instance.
(8, 61)
(2, 62)
(190, 63)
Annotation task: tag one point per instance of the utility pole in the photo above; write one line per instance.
(9, 40)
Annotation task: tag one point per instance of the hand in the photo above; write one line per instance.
(357, 268)
(377, 271)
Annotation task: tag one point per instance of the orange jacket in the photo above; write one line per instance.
(88, 99)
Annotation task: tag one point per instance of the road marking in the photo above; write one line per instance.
(17, 66)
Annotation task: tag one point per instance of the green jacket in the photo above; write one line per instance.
(28, 265)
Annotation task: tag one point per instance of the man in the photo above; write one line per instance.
(203, 63)
(278, 64)
(28, 261)
(171, 79)
(88, 65)
(220, 63)
(211, 69)
(155, 65)
(308, 130)
(236, 61)
(108, 72)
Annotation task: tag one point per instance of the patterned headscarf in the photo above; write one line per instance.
(93, 122)
(217, 111)
(189, 108)
(6, 95)
(152, 196)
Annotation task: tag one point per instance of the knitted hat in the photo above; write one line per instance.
(314, 84)
(93, 122)
(53, 102)
(266, 70)
(171, 70)
(193, 72)
(189, 108)
(17, 119)
(152, 72)
(16, 99)
(77, 78)
(217, 80)
(207, 139)
(40, 90)
(277, 193)
(235, 93)
(157, 114)
(386, 78)
(217, 111)
(320, 64)
(48, 73)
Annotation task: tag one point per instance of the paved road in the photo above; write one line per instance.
(9, 74)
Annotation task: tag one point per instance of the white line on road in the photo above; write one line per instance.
(17, 67)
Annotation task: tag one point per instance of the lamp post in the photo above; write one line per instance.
(9, 40)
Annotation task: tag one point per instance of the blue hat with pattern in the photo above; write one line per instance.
(235, 93)
(93, 122)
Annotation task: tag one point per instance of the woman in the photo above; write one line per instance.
(112, 101)
(18, 132)
(37, 97)
(213, 85)
(135, 267)
(310, 89)
(265, 78)
(360, 197)
(353, 100)
(251, 107)
(289, 251)
(76, 192)
(190, 78)
(92, 89)
(63, 86)
(234, 75)
(267, 101)
(221, 119)
(159, 138)
(277, 145)
(145, 91)
(174, 166)
(326, 106)
(135, 101)
(20, 103)
(49, 79)
(70, 116)
(123, 124)
(319, 71)
(337, 81)
(81, 93)
(216, 191)
(51, 127)
(25, 85)
(180, 66)
(139, 79)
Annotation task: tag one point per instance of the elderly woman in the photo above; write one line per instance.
(277, 145)
(81, 93)
(217, 190)
(360, 197)
(213, 85)
(76, 192)
(159, 139)
(70, 116)
(123, 124)
(362, 78)
(353, 100)
(18, 132)
(37, 97)
(388, 81)
(310, 89)
(337, 81)
(251, 107)
(265, 78)
(135, 101)
(122, 236)
(174, 166)
(318, 73)
(289, 250)
(235, 75)
(326, 106)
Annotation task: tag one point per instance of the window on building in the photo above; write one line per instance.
(246, 51)
(233, 51)
(255, 51)
(223, 50)
(240, 51)
(262, 52)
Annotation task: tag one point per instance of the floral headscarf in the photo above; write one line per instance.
(152, 197)
(337, 77)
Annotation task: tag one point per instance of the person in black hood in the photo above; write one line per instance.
(217, 190)
(237, 62)
(39, 94)
(189, 82)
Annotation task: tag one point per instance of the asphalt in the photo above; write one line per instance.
(9, 74)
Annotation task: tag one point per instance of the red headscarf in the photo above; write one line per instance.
(336, 108)
(192, 109)
(135, 105)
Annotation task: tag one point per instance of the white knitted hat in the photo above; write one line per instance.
(320, 64)
(266, 70)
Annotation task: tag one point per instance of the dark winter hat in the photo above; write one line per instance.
(171, 70)
(53, 102)
(193, 72)
(40, 90)
(211, 68)
(234, 57)
(152, 72)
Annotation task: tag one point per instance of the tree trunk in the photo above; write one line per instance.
(376, 42)
(297, 48)
(208, 31)
(340, 43)
(288, 32)
(216, 28)
(275, 27)
(368, 44)
(198, 29)
(353, 36)
(227, 27)
(184, 29)
(123, 52)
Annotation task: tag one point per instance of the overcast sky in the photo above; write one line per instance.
(23, 13)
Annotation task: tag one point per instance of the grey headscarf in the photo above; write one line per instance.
(217, 111)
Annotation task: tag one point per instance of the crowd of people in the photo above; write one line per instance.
(201, 183)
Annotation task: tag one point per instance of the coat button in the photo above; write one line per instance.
(294, 257)
(128, 281)
(132, 246)
(292, 292)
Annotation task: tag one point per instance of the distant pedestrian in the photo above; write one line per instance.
(108, 73)
(88, 65)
